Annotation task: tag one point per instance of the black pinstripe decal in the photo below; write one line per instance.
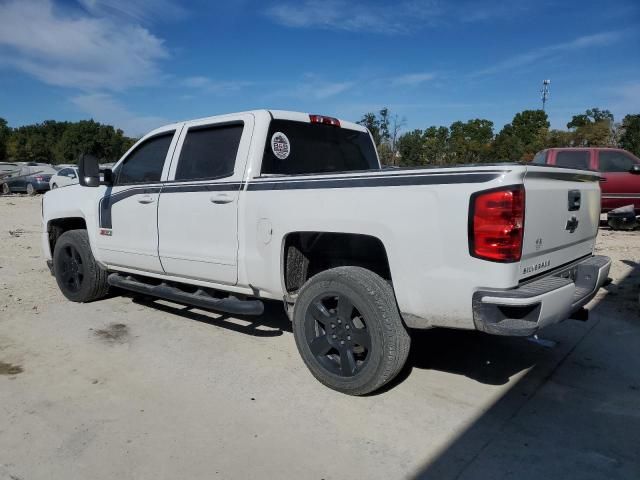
(293, 183)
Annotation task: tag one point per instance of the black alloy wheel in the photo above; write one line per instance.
(337, 334)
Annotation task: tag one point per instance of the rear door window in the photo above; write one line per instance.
(294, 148)
(145, 163)
(209, 152)
(573, 159)
(612, 161)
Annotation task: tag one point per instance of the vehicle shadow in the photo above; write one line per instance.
(575, 417)
(273, 323)
(487, 359)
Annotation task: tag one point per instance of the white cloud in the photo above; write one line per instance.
(412, 79)
(587, 41)
(105, 108)
(625, 99)
(74, 49)
(403, 16)
(315, 88)
(143, 11)
(214, 86)
(355, 16)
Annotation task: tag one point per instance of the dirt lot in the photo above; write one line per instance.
(133, 388)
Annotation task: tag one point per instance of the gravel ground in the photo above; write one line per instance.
(132, 388)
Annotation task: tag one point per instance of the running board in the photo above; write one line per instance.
(200, 298)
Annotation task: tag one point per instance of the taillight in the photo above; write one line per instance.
(496, 224)
(325, 120)
(38, 178)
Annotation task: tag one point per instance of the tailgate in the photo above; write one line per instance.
(562, 214)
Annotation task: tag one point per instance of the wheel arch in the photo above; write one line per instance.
(57, 226)
(307, 253)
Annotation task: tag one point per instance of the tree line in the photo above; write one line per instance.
(474, 140)
(62, 142)
(461, 142)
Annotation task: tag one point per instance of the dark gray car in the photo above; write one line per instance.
(30, 179)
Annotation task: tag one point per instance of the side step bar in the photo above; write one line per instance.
(199, 299)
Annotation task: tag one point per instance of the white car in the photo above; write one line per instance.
(226, 211)
(66, 176)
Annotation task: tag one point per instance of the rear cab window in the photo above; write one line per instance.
(299, 148)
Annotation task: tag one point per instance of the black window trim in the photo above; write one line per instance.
(202, 127)
(123, 160)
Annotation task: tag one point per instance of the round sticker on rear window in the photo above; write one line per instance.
(280, 145)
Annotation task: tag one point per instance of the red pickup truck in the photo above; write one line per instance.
(620, 182)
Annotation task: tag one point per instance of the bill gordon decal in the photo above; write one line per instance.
(280, 145)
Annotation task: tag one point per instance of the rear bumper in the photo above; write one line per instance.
(524, 310)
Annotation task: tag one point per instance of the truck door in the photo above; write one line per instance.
(128, 211)
(619, 186)
(198, 209)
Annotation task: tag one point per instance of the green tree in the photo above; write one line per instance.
(5, 132)
(471, 141)
(594, 128)
(507, 146)
(371, 122)
(630, 138)
(63, 142)
(436, 145)
(593, 115)
(523, 137)
(411, 148)
(558, 139)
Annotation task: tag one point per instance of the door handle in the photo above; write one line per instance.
(146, 199)
(221, 199)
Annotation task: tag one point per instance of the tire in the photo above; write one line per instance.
(6, 189)
(348, 330)
(30, 189)
(78, 275)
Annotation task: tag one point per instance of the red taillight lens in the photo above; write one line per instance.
(497, 224)
(325, 120)
(39, 178)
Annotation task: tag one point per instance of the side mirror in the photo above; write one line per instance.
(89, 171)
(635, 169)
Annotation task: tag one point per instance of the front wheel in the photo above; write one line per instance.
(6, 189)
(77, 273)
(348, 330)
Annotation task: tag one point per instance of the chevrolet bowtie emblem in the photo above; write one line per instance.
(572, 224)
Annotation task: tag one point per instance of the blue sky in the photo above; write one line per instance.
(140, 63)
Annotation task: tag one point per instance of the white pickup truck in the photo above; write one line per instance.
(224, 212)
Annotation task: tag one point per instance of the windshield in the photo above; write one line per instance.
(294, 148)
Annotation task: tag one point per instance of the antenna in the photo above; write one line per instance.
(544, 92)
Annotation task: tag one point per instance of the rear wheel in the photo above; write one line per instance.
(78, 275)
(348, 330)
(30, 189)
